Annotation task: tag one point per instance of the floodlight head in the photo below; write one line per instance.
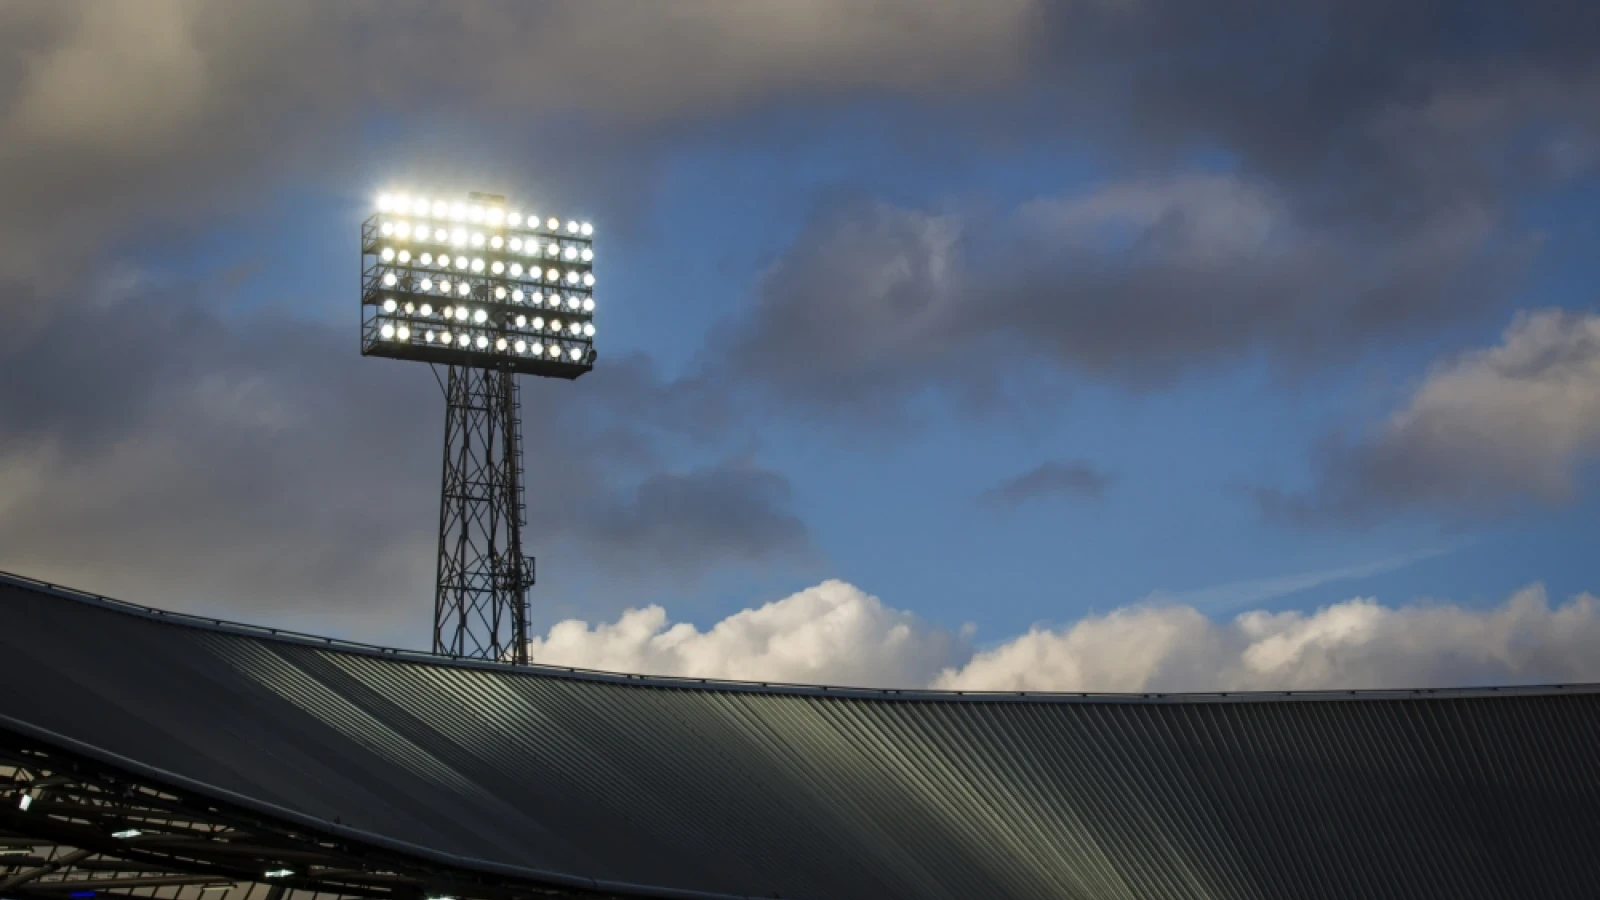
(419, 247)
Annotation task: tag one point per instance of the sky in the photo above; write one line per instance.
(1090, 345)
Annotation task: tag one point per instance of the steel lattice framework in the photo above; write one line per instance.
(486, 292)
(481, 603)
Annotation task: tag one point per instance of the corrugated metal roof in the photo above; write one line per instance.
(800, 792)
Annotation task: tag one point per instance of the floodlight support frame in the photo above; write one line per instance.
(483, 576)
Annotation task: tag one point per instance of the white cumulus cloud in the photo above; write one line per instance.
(835, 633)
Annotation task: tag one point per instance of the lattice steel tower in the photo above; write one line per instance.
(489, 294)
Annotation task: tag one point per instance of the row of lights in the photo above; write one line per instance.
(477, 264)
(574, 303)
(554, 250)
(472, 212)
(461, 313)
(481, 342)
(460, 237)
(553, 276)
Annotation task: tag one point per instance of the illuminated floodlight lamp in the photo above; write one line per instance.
(489, 259)
(277, 873)
(126, 833)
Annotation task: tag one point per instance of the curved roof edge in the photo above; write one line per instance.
(337, 830)
(188, 620)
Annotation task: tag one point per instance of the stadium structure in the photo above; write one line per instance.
(147, 754)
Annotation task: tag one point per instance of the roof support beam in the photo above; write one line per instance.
(59, 862)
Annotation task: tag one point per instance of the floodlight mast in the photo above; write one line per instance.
(489, 294)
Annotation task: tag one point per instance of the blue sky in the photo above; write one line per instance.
(1173, 273)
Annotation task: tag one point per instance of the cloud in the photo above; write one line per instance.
(836, 634)
(122, 117)
(1075, 479)
(832, 633)
(1137, 281)
(1486, 432)
(168, 454)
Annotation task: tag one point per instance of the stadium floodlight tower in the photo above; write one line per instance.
(490, 292)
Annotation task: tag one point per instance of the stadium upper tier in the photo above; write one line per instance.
(659, 787)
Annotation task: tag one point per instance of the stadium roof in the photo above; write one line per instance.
(669, 787)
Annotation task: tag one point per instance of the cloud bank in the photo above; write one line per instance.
(837, 634)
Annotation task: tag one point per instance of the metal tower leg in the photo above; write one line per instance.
(481, 604)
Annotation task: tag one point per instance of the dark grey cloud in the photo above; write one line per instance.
(1073, 479)
(1487, 432)
(162, 452)
(1304, 182)
(680, 521)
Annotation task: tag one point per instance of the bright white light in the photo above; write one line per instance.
(477, 265)
(426, 259)
(441, 235)
(387, 331)
(410, 308)
(535, 298)
(587, 254)
(401, 202)
(514, 219)
(386, 229)
(516, 295)
(552, 275)
(385, 203)
(427, 284)
(403, 333)
(586, 229)
(516, 244)
(553, 223)
(480, 317)
(463, 340)
(588, 329)
(427, 309)
(499, 292)
(389, 279)
(461, 314)
(572, 277)
(474, 213)
(458, 237)
(402, 229)
(497, 242)
(520, 346)
(387, 254)
(500, 344)
(588, 279)
(516, 270)
(428, 337)
(570, 253)
(572, 302)
(538, 323)
(482, 342)
(25, 802)
(405, 256)
(553, 250)
(522, 321)
(463, 289)
(555, 325)
(496, 215)
(577, 353)
(461, 262)
(588, 304)
(575, 328)
(477, 239)
(572, 227)
(444, 286)
(420, 206)
(440, 208)
(555, 350)
(389, 305)
(458, 211)
(278, 873)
